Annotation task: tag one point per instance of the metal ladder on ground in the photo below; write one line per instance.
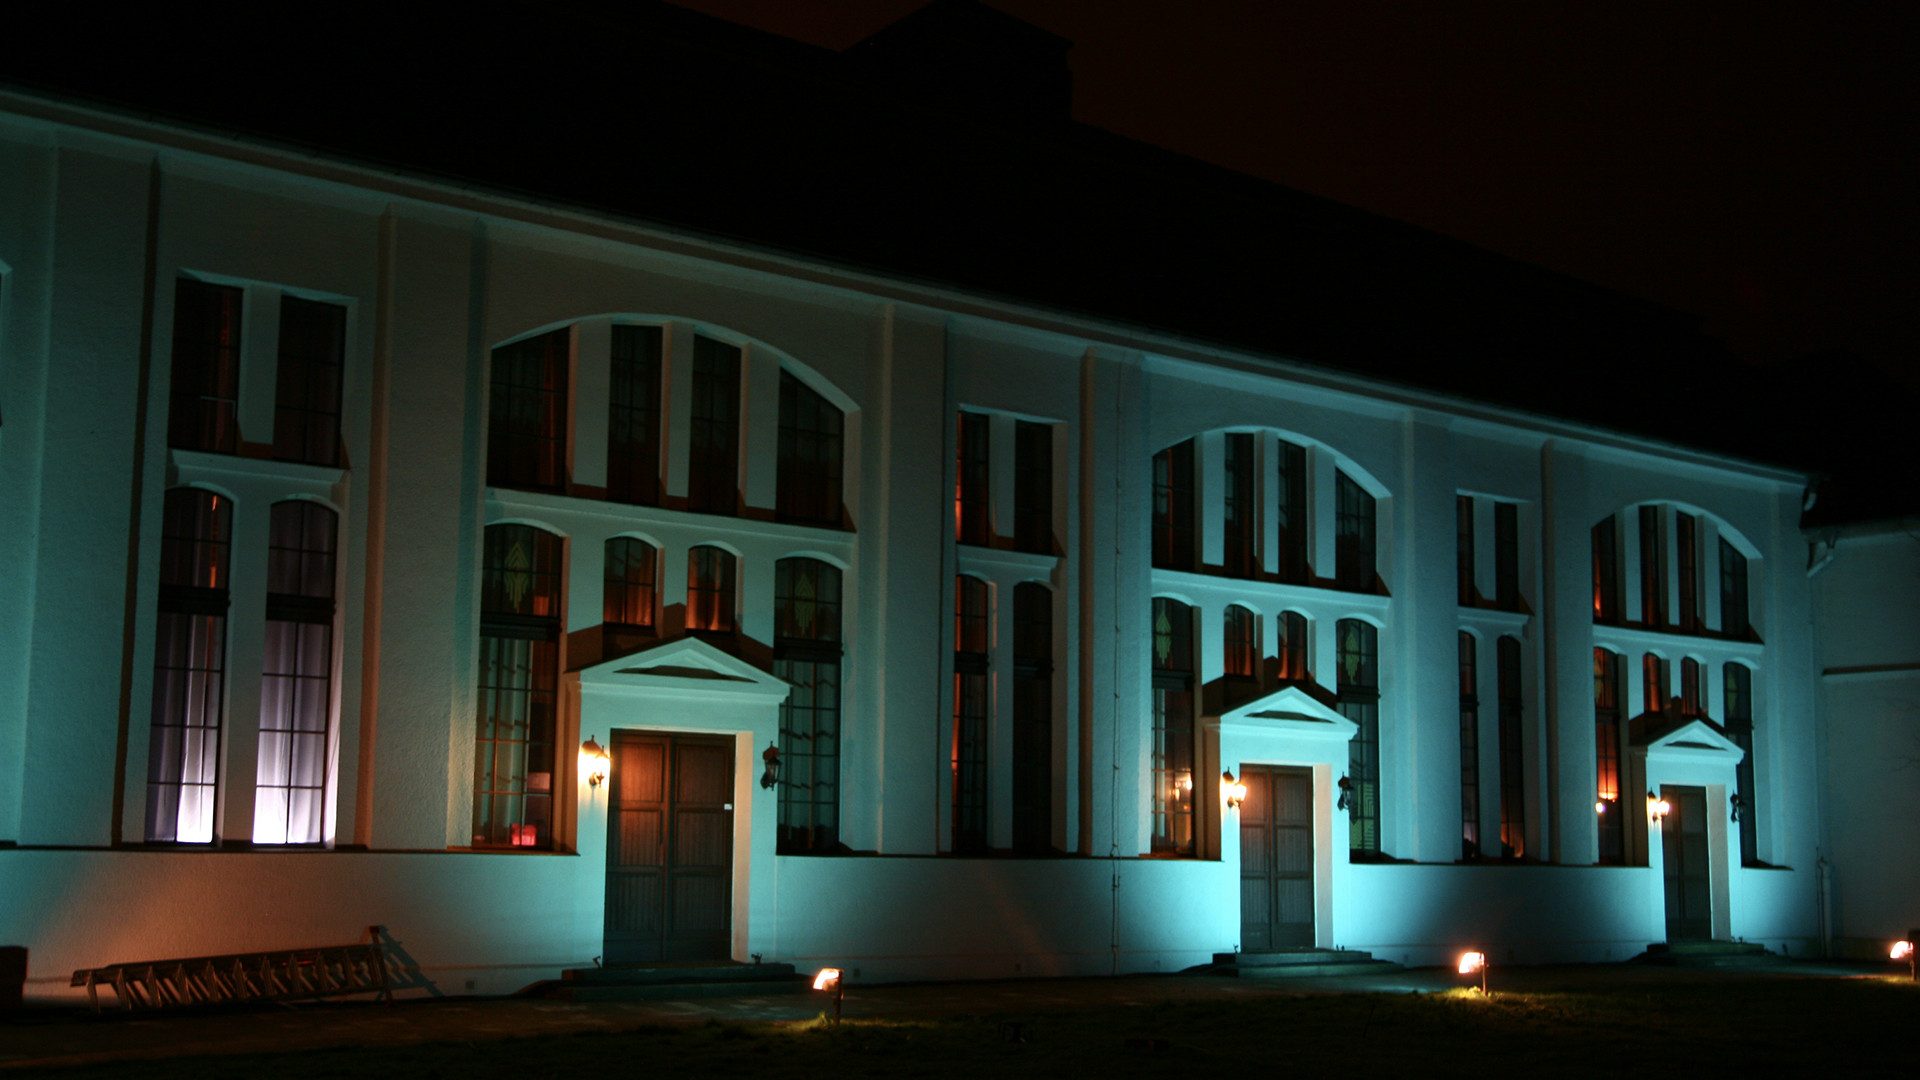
(281, 975)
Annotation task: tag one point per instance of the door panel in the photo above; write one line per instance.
(1685, 854)
(1276, 859)
(669, 848)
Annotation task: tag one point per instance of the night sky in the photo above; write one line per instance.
(1752, 163)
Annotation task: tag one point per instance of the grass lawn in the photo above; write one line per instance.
(1758, 1025)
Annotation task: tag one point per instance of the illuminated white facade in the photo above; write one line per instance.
(139, 831)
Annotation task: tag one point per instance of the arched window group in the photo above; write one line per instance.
(187, 730)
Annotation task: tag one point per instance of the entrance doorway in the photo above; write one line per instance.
(1276, 858)
(1683, 839)
(669, 848)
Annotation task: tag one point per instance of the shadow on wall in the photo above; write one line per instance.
(403, 971)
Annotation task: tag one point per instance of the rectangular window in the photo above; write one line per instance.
(1463, 549)
(633, 416)
(1469, 748)
(807, 652)
(306, 416)
(1506, 556)
(972, 506)
(1606, 573)
(713, 451)
(1032, 718)
(1606, 757)
(1513, 788)
(1653, 679)
(1354, 559)
(1735, 622)
(1173, 511)
(1033, 487)
(1687, 529)
(1690, 699)
(515, 730)
(1239, 531)
(972, 713)
(808, 483)
(1359, 690)
(296, 686)
(1653, 569)
(206, 367)
(526, 424)
(1171, 804)
(1290, 515)
(1739, 711)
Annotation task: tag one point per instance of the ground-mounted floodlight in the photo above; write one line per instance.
(829, 980)
(593, 762)
(1657, 808)
(1903, 950)
(1234, 790)
(1475, 963)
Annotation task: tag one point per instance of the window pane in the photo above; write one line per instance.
(306, 419)
(206, 367)
(972, 511)
(526, 433)
(713, 474)
(633, 416)
(810, 452)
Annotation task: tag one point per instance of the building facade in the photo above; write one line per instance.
(347, 505)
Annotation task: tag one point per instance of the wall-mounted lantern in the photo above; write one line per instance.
(1657, 807)
(1600, 806)
(1234, 790)
(1346, 795)
(1733, 803)
(594, 762)
(771, 775)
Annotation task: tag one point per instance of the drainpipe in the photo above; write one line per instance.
(1826, 906)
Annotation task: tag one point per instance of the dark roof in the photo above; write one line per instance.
(884, 158)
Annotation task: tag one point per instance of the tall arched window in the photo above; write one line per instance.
(513, 771)
(296, 683)
(1291, 647)
(1607, 726)
(1513, 786)
(806, 653)
(1240, 634)
(1738, 687)
(1469, 746)
(629, 591)
(972, 711)
(189, 666)
(1359, 689)
(1032, 717)
(1172, 763)
(711, 603)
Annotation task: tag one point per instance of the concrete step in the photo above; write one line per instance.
(670, 981)
(703, 972)
(1710, 954)
(670, 991)
(1304, 971)
(1299, 963)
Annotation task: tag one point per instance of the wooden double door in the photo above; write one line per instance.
(669, 848)
(1276, 858)
(1687, 857)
